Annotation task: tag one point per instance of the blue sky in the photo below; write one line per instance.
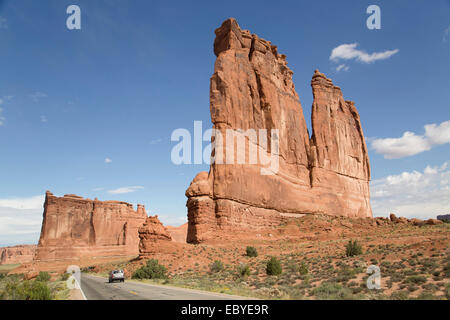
(137, 70)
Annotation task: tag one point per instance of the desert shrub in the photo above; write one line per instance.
(43, 276)
(333, 291)
(28, 290)
(153, 270)
(416, 279)
(273, 267)
(447, 270)
(400, 295)
(447, 290)
(64, 276)
(303, 269)
(251, 252)
(353, 248)
(216, 266)
(244, 270)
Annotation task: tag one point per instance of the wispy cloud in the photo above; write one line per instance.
(35, 202)
(2, 118)
(98, 189)
(125, 190)
(342, 67)
(410, 143)
(349, 52)
(446, 34)
(414, 194)
(44, 119)
(108, 160)
(3, 23)
(38, 96)
(156, 141)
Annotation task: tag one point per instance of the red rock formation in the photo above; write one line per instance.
(150, 234)
(17, 254)
(74, 227)
(252, 88)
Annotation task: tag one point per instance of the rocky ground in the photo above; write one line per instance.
(414, 261)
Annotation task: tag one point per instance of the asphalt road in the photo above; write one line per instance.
(98, 288)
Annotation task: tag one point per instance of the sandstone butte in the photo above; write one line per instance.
(74, 227)
(327, 173)
(17, 254)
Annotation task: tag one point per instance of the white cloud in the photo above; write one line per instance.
(38, 96)
(446, 34)
(342, 67)
(108, 160)
(44, 119)
(3, 23)
(35, 202)
(20, 220)
(410, 144)
(413, 194)
(2, 119)
(156, 141)
(349, 52)
(170, 220)
(125, 190)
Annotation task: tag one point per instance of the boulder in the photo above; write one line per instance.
(434, 222)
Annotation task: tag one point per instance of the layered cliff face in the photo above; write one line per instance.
(74, 227)
(151, 234)
(251, 91)
(17, 254)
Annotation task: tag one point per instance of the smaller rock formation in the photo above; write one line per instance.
(17, 254)
(433, 222)
(151, 233)
(74, 228)
(444, 217)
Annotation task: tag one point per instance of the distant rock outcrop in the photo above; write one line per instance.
(74, 228)
(329, 173)
(150, 234)
(17, 254)
(444, 217)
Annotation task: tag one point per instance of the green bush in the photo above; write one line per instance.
(244, 270)
(416, 279)
(153, 270)
(400, 295)
(447, 270)
(65, 276)
(28, 290)
(334, 291)
(252, 252)
(43, 276)
(353, 248)
(303, 269)
(273, 267)
(216, 266)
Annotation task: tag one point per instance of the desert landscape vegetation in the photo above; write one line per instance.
(302, 230)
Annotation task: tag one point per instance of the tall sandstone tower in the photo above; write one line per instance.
(329, 173)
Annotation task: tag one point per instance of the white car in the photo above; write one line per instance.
(116, 275)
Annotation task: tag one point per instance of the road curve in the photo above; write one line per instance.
(98, 288)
